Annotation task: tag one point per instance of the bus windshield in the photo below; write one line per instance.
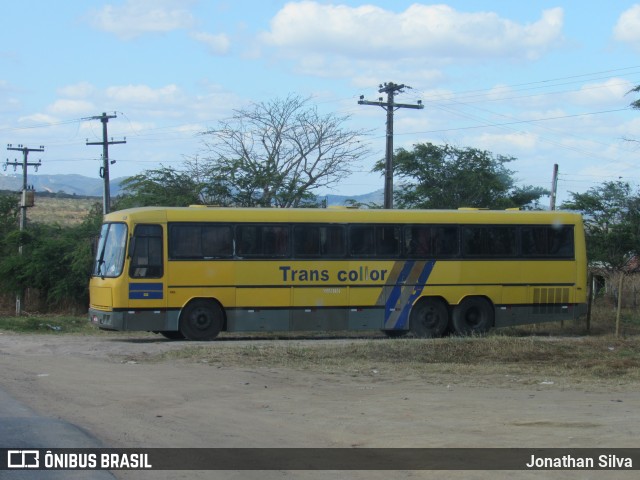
(111, 249)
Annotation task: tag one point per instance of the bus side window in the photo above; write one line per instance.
(418, 241)
(275, 241)
(501, 241)
(332, 241)
(561, 242)
(446, 241)
(489, 241)
(146, 258)
(547, 241)
(185, 242)
(247, 240)
(262, 241)
(388, 241)
(217, 241)
(306, 241)
(361, 240)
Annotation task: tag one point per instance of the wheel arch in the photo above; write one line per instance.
(207, 299)
(431, 297)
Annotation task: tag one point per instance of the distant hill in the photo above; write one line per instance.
(71, 183)
(92, 187)
(376, 197)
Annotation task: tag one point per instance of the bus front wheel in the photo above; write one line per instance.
(201, 320)
(473, 315)
(429, 318)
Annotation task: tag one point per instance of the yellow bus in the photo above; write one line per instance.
(196, 271)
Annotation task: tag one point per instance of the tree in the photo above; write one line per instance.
(56, 260)
(9, 210)
(612, 222)
(450, 177)
(278, 153)
(164, 186)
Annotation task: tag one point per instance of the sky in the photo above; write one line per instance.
(545, 82)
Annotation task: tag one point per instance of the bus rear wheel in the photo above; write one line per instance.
(172, 335)
(473, 315)
(395, 333)
(429, 318)
(201, 320)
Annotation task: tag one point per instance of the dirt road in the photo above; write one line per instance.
(91, 381)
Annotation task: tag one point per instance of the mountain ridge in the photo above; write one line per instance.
(75, 184)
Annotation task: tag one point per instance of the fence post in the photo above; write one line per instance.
(619, 305)
(590, 293)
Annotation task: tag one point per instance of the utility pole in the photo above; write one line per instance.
(104, 170)
(554, 187)
(26, 198)
(391, 89)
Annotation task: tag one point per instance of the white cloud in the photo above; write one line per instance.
(38, 118)
(628, 27)
(78, 90)
(507, 142)
(421, 31)
(65, 107)
(143, 94)
(611, 92)
(136, 17)
(217, 44)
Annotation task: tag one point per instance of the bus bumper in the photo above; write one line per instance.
(135, 320)
(109, 320)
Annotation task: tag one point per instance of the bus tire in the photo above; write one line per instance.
(474, 315)
(429, 318)
(395, 333)
(201, 320)
(172, 334)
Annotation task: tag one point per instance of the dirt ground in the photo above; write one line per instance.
(91, 382)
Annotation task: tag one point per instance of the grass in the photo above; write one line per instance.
(47, 324)
(577, 358)
(524, 355)
(63, 210)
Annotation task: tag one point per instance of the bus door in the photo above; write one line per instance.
(147, 293)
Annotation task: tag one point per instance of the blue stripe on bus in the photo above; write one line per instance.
(401, 320)
(146, 291)
(417, 291)
(394, 296)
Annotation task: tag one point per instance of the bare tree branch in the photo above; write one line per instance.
(277, 153)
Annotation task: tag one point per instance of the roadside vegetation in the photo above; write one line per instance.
(543, 360)
(567, 353)
(547, 354)
(50, 324)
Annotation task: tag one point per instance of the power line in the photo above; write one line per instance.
(391, 89)
(104, 170)
(26, 198)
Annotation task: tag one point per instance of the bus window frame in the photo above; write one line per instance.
(171, 247)
(240, 253)
(551, 255)
(135, 242)
(436, 251)
(341, 228)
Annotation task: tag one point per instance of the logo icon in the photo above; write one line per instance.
(23, 459)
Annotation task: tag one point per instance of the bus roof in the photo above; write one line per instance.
(339, 215)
